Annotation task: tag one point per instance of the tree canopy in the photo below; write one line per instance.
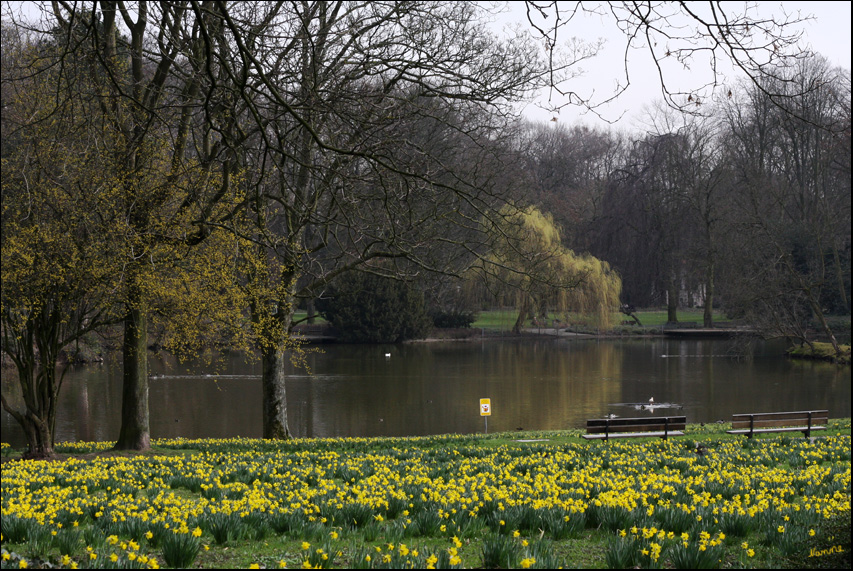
(534, 264)
(98, 227)
(214, 164)
(367, 308)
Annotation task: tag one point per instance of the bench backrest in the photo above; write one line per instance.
(779, 419)
(649, 424)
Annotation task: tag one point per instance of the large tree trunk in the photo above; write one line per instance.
(135, 433)
(37, 431)
(274, 394)
(38, 386)
(39, 436)
(839, 277)
(274, 352)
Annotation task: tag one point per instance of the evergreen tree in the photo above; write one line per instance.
(368, 308)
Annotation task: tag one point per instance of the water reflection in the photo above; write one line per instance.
(434, 388)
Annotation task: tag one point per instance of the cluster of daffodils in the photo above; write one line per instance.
(113, 553)
(224, 490)
(403, 556)
(644, 547)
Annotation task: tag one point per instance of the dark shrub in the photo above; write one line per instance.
(453, 319)
(367, 308)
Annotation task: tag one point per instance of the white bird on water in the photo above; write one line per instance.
(387, 355)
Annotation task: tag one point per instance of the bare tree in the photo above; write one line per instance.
(568, 169)
(792, 172)
(373, 143)
(707, 38)
(701, 189)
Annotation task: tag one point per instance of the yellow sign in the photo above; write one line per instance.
(485, 407)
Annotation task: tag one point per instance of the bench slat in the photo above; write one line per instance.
(630, 422)
(632, 435)
(781, 415)
(638, 428)
(771, 423)
(794, 421)
(635, 427)
(787, 429)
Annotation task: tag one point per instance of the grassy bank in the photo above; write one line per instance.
(464, 501)
(503, 320)
(821, 352)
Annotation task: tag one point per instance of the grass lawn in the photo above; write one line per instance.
(460, 501)
(496, 319)
(504, 319)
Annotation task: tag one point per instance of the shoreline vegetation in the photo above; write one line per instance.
(497, 324)
(543, 499)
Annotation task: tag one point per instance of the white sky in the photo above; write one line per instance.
(828, 34)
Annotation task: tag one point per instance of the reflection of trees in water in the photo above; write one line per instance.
(434, 388)
(742, 346)
(545, 385)
(431, 388)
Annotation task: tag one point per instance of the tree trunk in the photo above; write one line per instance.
(818, 313)
(708, 319)
(523, 313)
(37, 431)
(672, 300)
(39, 437)
(274, 394)
(135, 433)
(38, 386)
(839, 277)
(274, 352)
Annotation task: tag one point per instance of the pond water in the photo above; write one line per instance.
(435, 388)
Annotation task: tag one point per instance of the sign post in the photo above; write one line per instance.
(486, 411)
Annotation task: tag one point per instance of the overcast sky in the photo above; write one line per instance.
(828, 33)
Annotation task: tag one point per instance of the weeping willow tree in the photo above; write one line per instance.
(530, 264)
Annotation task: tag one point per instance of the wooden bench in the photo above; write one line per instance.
(662, 426)
(801, 421)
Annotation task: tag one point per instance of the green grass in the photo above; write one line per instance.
(658, 318)
(786, 477)
(300, 316)
(821, 351)
(504, 319)
(496, 319)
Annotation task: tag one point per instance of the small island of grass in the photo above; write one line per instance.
(821, 352)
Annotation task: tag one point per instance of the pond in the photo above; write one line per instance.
(435, 388)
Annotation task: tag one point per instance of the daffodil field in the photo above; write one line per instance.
(435, 502)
